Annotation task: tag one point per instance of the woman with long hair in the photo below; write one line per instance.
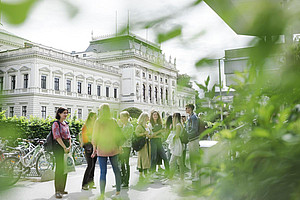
(144, 155)
(61, 145)
(127, 131)
(157, 149)
(175, 145)
(86, 138)
(106, 142)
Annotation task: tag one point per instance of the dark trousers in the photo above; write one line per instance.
(60, 178)
(90, 169)
(184, 154)
(103, 171)
(157, 149)
(125, 168)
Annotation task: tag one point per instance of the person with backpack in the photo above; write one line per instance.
(107, 142)
(192, 128)
(61, 145)
(86, 138)
(127, 131)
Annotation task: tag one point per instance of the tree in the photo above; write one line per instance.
(134, 112)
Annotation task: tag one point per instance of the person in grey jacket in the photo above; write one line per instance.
(192, 128)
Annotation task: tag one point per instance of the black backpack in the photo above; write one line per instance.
(48, 145)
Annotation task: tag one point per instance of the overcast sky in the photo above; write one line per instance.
(50, 24)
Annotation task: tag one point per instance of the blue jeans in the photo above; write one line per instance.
(103, 171)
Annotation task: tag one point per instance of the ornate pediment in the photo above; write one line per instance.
(69, 74)
(44, 69)
(107, 82)
(99, 80)
(80, 76)
(90, 78)
(57, 72)
(116, 84)
(11, 70)
(24, 68)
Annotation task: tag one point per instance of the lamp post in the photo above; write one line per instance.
(220, 85)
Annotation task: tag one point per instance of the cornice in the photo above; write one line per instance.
(37, 55)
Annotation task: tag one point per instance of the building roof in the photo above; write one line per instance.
(120, 42)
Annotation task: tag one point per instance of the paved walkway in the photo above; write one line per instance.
(33, 189)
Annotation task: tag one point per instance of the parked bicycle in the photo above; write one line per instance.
(77, 151)
(23, 159)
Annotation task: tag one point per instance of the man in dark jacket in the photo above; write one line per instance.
(192, 128)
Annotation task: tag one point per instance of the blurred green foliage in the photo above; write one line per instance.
(257, 155)
(17, 12)
(34, 127)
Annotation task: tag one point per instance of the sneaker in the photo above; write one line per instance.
(58, 195)
(125, 186)
(64, 192)
(85, 187)
(116, 196)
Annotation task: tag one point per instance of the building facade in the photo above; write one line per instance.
(124, 71)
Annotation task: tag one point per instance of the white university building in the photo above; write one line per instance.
(123, 71)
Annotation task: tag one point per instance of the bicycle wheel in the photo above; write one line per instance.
(44, 162)
(10, 171)
(78, 155)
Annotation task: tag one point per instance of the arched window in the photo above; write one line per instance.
(166, 94)
(155, 94)
(173, 97)
(137, 91)
(150, 93)
(161, 95)
(144, 92)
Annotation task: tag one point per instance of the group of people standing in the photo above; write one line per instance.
(104, 138)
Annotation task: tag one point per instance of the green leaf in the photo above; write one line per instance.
(204, 62)
(162, 37)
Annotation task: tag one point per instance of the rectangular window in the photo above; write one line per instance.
(155, 78)
(55, 109)
(11, 111)
(68, 85)
(149, 76)
(56, 83)
(79, 113)
(25, 80)
(79, 87)
(13, 82)
(1, 83)
(144, 74)
(44, 112)
(43, 82)
(69, 112)
(98, 90)
(24, 111)
(89, 89)
(166, 80)
(115, 93)
(161, 80)
(107, 91)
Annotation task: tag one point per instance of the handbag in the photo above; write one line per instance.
(88, 147)
(138, 143)
(69, 165)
